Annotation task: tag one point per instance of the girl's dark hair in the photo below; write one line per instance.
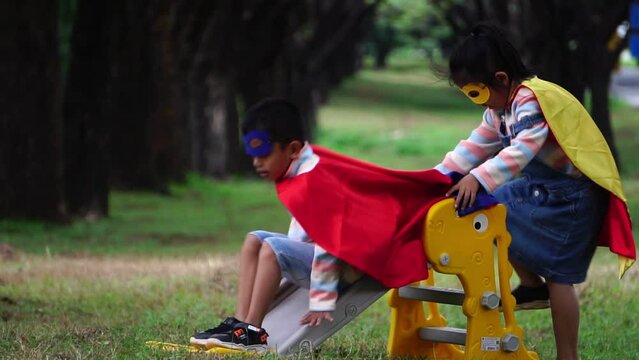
(279, 117)
(484, 52)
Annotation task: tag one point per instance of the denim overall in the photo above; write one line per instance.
(554, 220)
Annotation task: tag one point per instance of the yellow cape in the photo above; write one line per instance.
(581, 140)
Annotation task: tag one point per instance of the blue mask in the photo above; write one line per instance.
(258, 143)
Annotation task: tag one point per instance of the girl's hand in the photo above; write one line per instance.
(314, 318)
(467, 189)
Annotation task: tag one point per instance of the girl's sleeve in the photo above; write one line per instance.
(325, 275)
(523, 147)
(482, 143)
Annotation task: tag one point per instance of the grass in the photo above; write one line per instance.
(199, 216)
(399, 119)
(162, 266)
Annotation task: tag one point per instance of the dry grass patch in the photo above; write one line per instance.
(79, 266)
(9, 253)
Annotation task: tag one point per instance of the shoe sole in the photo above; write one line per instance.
(198, 342)
(211, 343)
(533, 305)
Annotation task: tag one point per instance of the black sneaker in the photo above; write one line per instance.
(202, 338)
(529, 298)
(243, 336)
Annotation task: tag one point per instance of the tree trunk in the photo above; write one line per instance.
(86, 118)
(209, 38)
(570, 49)
(148, 131)
(131, 165)
(603, 58)
(166, 105)
(30, 124)
(384, 39)
(221, 150)
(600, 111)
(189, 21)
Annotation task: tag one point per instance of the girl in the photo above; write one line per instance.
(539, 152)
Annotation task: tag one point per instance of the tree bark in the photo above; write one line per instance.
(131, 165)
(166, 106)
(605, 20)
(212, 35)
(30, 124)
(86, 113)
(222, 152)
(148, 131)
(189, 21)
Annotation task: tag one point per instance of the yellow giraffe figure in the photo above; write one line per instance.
(463, 246)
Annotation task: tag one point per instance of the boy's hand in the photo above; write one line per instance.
(314, 318)
(467, 189)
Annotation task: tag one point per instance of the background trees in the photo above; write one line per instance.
(146, 91)
(133, 95)
(571, 43)
(31, 177)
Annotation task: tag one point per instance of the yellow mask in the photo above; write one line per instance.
(478, 93)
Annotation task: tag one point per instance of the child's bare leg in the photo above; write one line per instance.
(526, 277)
(266, 284)
(564, 307)
(248, 265)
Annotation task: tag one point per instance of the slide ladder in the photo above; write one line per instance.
(462, 246)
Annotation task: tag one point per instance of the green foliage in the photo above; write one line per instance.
(408, 24)
(163, 267)
(406, 17)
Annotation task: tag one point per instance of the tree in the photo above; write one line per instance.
(31, 179)
(86, 112)
(147, 131)
(154, 89)
(571, 49)
(208, 34)
(400, 23)
(236, 53)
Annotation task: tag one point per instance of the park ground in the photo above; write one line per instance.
(164, 266)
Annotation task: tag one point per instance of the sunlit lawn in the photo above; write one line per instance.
(164, 266)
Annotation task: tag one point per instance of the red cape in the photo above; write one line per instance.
(370, 217)
(616, 230)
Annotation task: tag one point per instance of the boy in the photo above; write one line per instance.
(273, 136)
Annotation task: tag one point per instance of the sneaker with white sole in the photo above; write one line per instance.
(202, 338)
(243, 336)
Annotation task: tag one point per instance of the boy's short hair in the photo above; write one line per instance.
(280, 118)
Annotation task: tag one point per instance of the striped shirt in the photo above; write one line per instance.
(492, 163)
(326, 271)
(303, 164)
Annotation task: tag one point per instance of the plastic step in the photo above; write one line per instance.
(433, 294)
(443, 334)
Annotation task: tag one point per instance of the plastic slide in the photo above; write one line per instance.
(287, 336)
